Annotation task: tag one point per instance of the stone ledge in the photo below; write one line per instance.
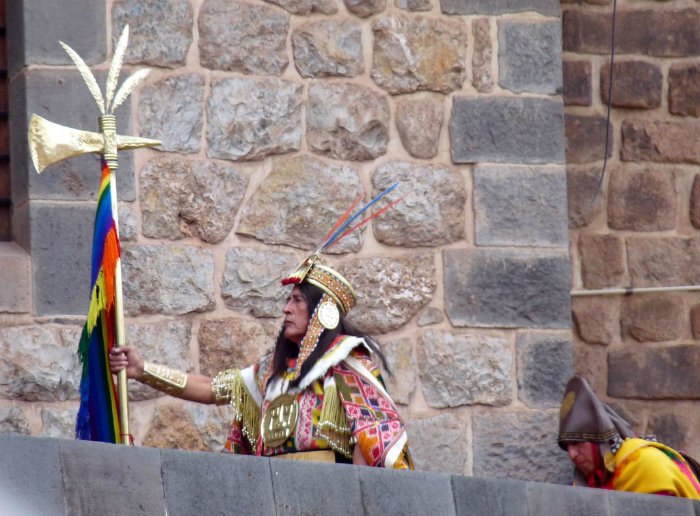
(51, 476)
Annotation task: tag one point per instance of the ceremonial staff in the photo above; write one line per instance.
(50, 143)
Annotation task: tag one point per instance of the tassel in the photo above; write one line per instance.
(229, 384)
(333, 423)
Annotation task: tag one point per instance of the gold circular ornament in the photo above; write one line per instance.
(566, 404)
(328, 315)
(280, 420)
(609, 461)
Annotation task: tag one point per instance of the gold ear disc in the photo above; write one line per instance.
(609, 460)
(328, 315)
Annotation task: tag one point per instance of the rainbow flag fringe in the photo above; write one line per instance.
(98, 416)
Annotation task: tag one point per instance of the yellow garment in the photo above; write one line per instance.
(642, 467)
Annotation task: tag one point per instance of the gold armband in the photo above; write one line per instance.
(169, 381)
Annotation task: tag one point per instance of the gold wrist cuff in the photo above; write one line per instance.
(165, 379)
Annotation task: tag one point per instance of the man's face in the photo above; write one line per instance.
(582, 455)
(296, 316)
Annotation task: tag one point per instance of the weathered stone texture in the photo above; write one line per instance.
(164, 342)
(172, 428)
(16, 295)
(653, 318)
(59, 423)
(523, 206)
(507, 130)
(642, 200)
(328, 48)
(684, 89)
(677, 427)
(160, 31)
(249, 119)
(390, 291)
(529, 55)
(545, 364)
(167, 279)
(583, 197)
(695, 322)
(230, 342)
(602, 260)
(577, 87)
(449, 453)
(430, 315)
(655, 372)
(13, 421)
(660, 142)
(305, 7)
(39, 363)
(414, 5)
(519, 445)
(525, 289)
(402, 381)
(128, 223)
(347, 121)
(251, 283)
(664, 262)
(695, 202)
(432, 211)
(212, 423)
(240, 37)
(365, 8)
(482, 78)
(460, 369)
(170, 111)
(597, 319)
(637, 84)
(181, 198)
(585, 138)
(418, 53)
(663, 33)
(546, 7)
(419, 122)
(299, 201)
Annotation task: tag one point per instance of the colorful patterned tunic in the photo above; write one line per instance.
(342, 402)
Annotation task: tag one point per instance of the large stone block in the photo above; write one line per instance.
(439, 443)
(503, 288)
(684, 89)
(660, 141)
(432, 210)
(161, 31)
(585, 138)
(305, 7)
(549, 500)
(328, 48)
(59, 423)
(230, 342)
(546, 7)
(545, 364)
(583, 195)
(401, 382)
(578, 87)
(597, 319)
(637, 84)
(30, 476)
(62, 97)
(655, 372)
(676, 426)
(521, 206)
(655, 318)
(13, 420)
(665, 261)
(419, 122)
(171, 427)
(602, 260)
(638, 504)
(128, 479)
(460, 369)
(207, 483)
(35, 32)
(411, 493)
(481, 496)
(482, 78)
(519, 445)
(507, 130)
(16, 294)
(529, 55)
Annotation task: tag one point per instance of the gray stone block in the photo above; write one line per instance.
(551, 500)
(104, 479)
(636, 504)
(522, 206)
(61, 248)
(507, 130)
(545, 364)
(488, 497)
(315, 489)
(30, 476)
(529, 56)
(510, 289)
(38, 25)
(405, 493)
(216, 484)
(62, 97)
(548, 7)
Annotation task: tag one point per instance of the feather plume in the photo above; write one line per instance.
(87, 75)
(128, 87)
(116, 67)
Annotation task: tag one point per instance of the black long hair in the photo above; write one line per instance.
(285, 348)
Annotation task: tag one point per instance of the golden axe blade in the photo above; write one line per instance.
(50, 143)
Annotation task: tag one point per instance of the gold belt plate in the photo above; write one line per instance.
(280, 420)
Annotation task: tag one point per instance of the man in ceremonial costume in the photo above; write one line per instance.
(317, 395)
(607, 453)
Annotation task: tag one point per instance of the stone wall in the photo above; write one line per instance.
(641, 229)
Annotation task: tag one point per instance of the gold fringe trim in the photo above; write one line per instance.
(333, 423)
(228, 386)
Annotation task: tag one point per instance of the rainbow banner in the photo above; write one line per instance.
(98, 416)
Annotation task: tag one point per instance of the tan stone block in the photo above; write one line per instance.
(641, 200)
(637, 84)
(596, 319)
(663, 262)
(660, 142)
(230, 342)
(16, 291)
(653, 318)
(602, 260)
(684, 89)
(173, 428)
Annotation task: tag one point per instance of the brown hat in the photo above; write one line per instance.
(583, 417)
